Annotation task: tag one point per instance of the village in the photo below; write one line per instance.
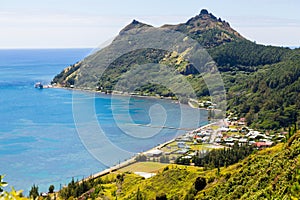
(218, 135)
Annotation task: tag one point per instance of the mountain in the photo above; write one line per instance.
(261, 82)
(205, 28)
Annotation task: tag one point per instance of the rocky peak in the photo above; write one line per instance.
(204, 12)
(133, 25)
(204, 15)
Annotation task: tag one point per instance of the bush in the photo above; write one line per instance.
(141, 158)
(51, 188)
(161, 196)
(200, 183)
(34, 192)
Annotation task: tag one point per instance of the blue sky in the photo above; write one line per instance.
(88, 23)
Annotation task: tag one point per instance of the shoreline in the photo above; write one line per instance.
(132, 159)
(125, 163)
(117, 93)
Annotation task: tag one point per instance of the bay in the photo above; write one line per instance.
(41, 139)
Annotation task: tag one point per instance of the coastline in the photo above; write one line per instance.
(117, 93)
(132, 159)
(125, 163)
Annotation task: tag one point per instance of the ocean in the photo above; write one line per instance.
(49, 136)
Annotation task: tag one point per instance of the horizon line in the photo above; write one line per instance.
(41, 48)
(45, 48)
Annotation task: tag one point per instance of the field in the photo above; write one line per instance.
(149, 167)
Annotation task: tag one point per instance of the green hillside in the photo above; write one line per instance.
(273, 173)
(269, 97)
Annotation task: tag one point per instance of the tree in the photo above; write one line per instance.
(120, 177)
(13, 195)
(161, 196)
(139, 195)
(200, 183)
(34, 192)
(51, 188)
(141, 158)
(2, 183)
(164, 159)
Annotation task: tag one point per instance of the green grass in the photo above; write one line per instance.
(214, 127)
(150, 167)
(199, 147)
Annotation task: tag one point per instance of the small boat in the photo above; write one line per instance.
(38, 85)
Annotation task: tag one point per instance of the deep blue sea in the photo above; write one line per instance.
(48, 136)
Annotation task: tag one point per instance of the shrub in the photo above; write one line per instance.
(200, 183)
(161, 196)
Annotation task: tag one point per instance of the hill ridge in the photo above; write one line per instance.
(252, 73)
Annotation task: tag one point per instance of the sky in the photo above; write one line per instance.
(89, 23)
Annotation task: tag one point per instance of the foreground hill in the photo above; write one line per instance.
(261, 82)
(272, 173)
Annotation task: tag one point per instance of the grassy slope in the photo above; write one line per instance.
(272, 173)
(173, 182)
(148, 167)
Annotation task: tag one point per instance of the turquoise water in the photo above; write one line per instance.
(39, 141)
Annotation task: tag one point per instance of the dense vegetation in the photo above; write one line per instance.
(218, 158)
(77, 189)
(246, 56)
(269, 98)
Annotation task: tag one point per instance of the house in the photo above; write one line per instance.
(200, 134)
(205, 139)
(229, 140)
(44, 194)
(187, 157)
(182, 151)
(243, 140)
(233, 130)
(242, 121)
(223, 129)
(193, 154)
(263, 144)
(180, 144)
(237, 136)
(154, 153)
(230, 144)
(218, 140)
